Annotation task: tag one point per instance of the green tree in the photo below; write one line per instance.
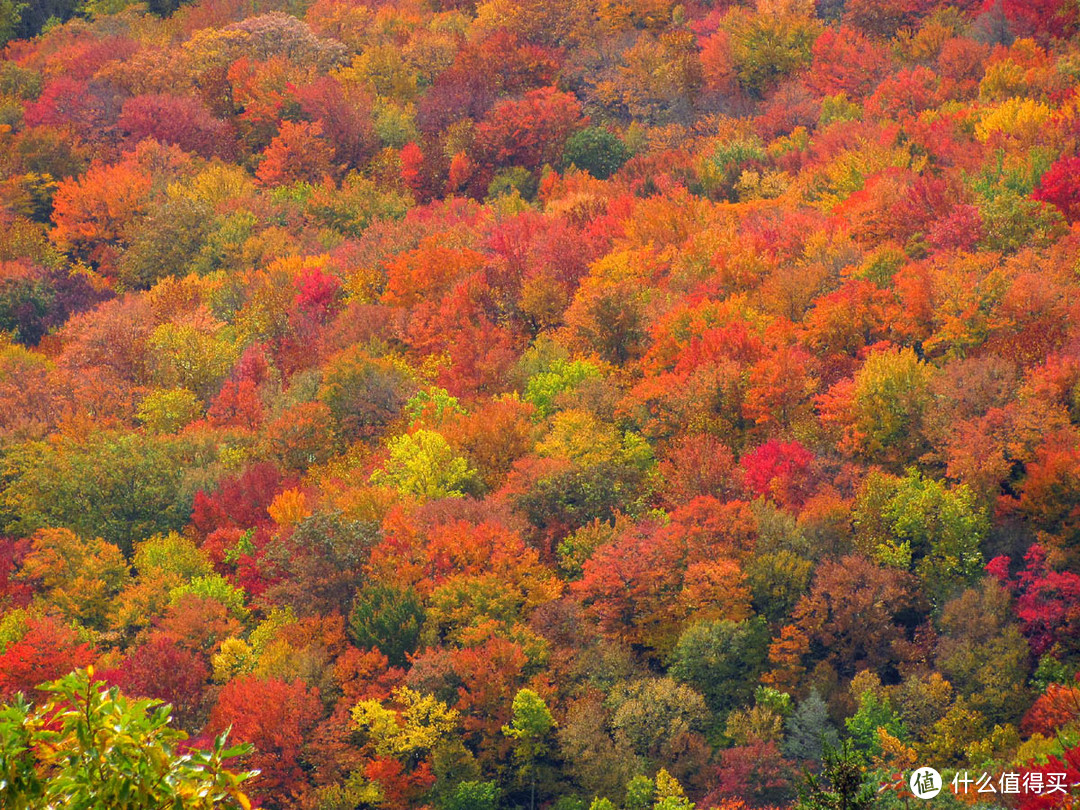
(118, 486)
(766, 47)
(166, 242)
(88, 747)
(1012, 221)
(761, 723)
(561, 376)
(10, 16)
(720, 168)
(922, 521)
(661, 721)
(945, 529)
(809, 732)
(598, 151)
(214, 586)
(640, 793)
(890, 395)
(777, 581)
(983, 654)
(564, 500)
(388, 618)
(842, 784)
(432, 405)
(722, 660)
(530, 726)
(875, 711)
(473, 796)
(512, 181)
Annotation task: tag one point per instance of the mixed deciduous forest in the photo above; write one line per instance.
(538, 403)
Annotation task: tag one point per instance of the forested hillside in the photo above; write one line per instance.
(542, 403)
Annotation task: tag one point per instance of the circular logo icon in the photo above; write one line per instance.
(925, 783)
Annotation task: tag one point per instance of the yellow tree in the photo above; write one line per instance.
(880, 412)
(423, 464)
(78, 575)
(410, 731)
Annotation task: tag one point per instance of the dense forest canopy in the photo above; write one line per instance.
(538, 403)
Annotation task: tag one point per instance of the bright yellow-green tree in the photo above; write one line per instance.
(423, 464)
(408, 732)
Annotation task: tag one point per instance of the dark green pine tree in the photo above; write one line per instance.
(389, 619)
(842, 784)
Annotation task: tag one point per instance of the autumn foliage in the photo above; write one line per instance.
(563, 405)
